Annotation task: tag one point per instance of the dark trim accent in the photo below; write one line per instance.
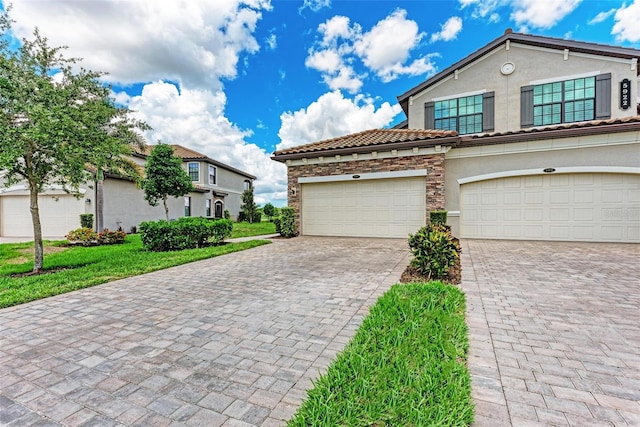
(488, 111)
(602, 109)
(526, 106)
(429, 115)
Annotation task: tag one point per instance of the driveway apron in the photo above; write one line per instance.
(228, 341)
(554, 332)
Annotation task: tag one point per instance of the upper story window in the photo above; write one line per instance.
(193, 168)
(187, 206)
(247, 184)
(465, 115)
(212, 175)
(568, 101)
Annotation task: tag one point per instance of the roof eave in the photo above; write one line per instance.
(431, 142)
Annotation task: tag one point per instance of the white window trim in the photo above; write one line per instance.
(564, 78)
(215, 174)
(189, 173)
(459, 95)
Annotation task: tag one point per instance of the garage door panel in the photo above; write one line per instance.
(58, 215)
(371, 208)
(582, 206)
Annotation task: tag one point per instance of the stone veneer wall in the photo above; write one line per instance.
(433, 163)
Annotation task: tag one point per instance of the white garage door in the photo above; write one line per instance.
(369, 208)
(58, 215)
(595, 207)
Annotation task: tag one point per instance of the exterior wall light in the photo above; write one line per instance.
(549, 170)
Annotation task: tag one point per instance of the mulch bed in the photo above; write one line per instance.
(453, 277)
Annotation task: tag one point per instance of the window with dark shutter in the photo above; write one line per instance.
(488, 111)
(603, 96)
(526, 106)
(429, 122)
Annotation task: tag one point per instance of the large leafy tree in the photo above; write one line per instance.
(58, 125)
(165, 177)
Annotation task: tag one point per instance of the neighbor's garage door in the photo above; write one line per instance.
(57, 217)
(369, 208)
(595, 207)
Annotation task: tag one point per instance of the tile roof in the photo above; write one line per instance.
(592, 127)
(189, 154)
(370, 138)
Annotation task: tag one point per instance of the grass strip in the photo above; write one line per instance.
(405, 366)
(81, 267)
(246, 229)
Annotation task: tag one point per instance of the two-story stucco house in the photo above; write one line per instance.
(218, 187)
(529, 137)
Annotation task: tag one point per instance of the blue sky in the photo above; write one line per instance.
(238, 79)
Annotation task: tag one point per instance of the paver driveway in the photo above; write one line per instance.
(228, 341)
(554, 332)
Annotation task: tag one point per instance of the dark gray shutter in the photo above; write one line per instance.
(603, 96)
(488, 111)
(526, 106)
(429, 115)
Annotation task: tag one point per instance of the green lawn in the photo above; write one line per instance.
(406, 365)
(245, 229)
(79, 267)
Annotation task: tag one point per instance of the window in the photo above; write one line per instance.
(194, 171)
(568, 101)
(465, 115)
(212, 175)
(207, 207)
(187, 206)
(564, 102)
(247, 184)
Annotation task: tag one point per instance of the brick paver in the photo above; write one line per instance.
(554, 332)
(229, 341)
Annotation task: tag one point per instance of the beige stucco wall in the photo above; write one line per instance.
(532, 65)
(614, 150)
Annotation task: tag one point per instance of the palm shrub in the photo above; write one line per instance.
(434, 250)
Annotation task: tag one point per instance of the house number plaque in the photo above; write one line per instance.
(625, 94)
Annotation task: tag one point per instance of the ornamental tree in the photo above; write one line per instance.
(165, 177)
(249, 207)
(57, 123)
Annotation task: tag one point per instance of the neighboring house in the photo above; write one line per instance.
(218, 187)
(529, 137)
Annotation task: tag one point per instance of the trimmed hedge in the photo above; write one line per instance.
(286, 223)
(184, 233)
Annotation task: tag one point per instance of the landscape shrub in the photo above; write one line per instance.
(227, 214)
(87, 237)
(438, 217)
(84, 236)
(434, 250)
(287, 223)
(86, 220)
(276, 222)
(107, 237)
(184, 233)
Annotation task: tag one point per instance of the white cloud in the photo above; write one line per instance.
(602, 16)
(315, 5)
(196, 43)
(383, 50)
(333, 115)
(627, 26)
(195, 118)
(483, 8)
(272, 41)
(449, 30)
(542, 13)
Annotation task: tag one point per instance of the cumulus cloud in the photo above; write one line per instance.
(627, 26)
(315, 5)
(383, 50)
(333, 115)
(542, 13)
(195, 118)
(525, 13)
(196, 42)
(449, 30)
(602, 16)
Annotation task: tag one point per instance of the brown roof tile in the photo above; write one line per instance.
(368, 138)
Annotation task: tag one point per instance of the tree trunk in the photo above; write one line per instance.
(99, 201)
(166, 208)
(38, 255)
